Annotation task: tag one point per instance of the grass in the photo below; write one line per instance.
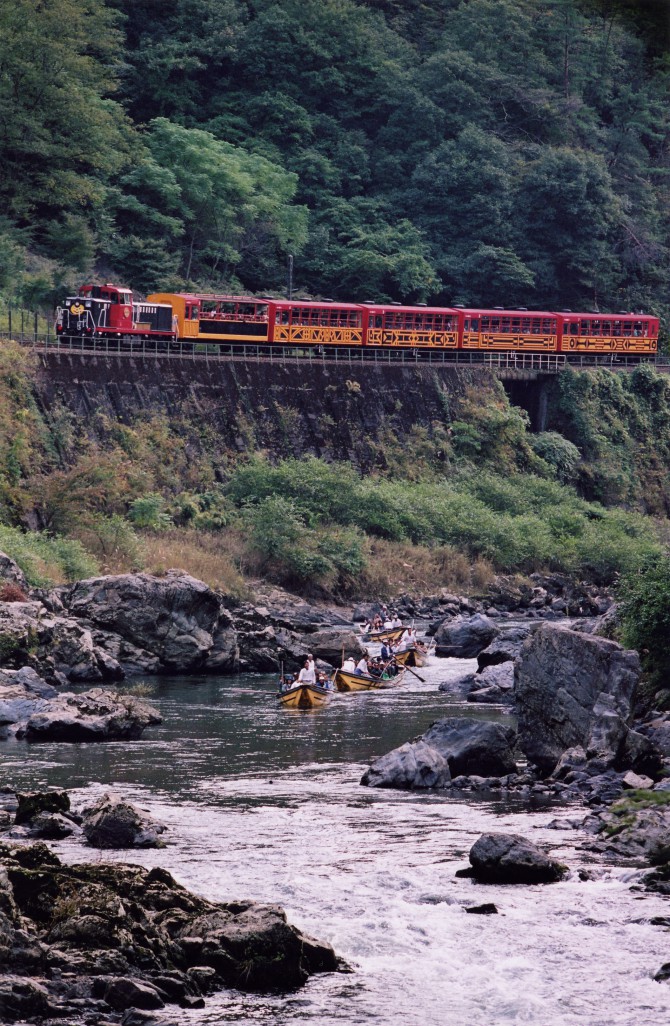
(211, 557)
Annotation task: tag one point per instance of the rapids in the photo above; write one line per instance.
(265, 803)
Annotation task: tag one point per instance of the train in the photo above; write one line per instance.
(217, 322)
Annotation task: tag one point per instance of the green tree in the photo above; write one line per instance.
(644, 607)
(61, 136)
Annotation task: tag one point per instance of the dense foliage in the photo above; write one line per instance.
(645, 617)
(498, 151)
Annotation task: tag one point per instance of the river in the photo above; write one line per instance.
(264, 802)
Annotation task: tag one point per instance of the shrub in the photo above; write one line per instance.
(47, 561)
(644, 597)
(10, 592)
(561, 455)
(148, 512)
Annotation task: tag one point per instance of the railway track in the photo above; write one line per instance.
(515, 364)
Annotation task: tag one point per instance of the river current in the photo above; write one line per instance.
(265, 803)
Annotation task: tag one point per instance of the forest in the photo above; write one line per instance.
(506, 152)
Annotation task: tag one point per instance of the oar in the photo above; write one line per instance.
(417, 675)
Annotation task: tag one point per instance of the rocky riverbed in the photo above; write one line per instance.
(579, 736)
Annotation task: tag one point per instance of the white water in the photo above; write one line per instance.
(265, 803)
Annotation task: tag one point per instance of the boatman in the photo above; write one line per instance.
(307, 675)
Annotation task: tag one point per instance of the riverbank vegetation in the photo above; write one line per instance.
(508, 152)
(477, 493)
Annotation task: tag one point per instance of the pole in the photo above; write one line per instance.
(290, 277)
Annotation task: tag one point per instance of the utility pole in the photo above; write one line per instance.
(290, 278)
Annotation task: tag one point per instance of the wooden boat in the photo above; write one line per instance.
(304, 696)
(414, 656)
(392, 634)
(345, 681)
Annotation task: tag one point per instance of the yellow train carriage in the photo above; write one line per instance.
(518, 330)
(218, 318)
(608, 333)
(296, 323)
(412, 327)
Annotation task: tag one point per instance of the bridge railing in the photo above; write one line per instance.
(510, 362)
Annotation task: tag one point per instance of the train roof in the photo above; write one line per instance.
(399, 307)
(606, 315)
(497, 312)
(317, 304)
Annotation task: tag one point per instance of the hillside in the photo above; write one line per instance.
(489, 151)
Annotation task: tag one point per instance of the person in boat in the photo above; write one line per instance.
(377, 622)
(307, 675)
(386, 652)
(388, 623)
(349, 664)
(391, 669)
(323, 681)
(377, 668)
(312, 663)
(287, 681)
(408, 640)
(362, 667)
(397, 622)
(367, 627)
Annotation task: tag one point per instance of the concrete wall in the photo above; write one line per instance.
(293, 408)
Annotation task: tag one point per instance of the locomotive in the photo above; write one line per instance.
(110, 312)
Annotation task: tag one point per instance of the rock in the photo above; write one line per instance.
(95, 715)
(512, 859)
(494, 684)
(122, 993)
(103, 938)
(23, 999)
(637, 826)
(573, 689)
(329, 645)
(22, 693)
(52, 826)
(505, 647)
(11, 571)
(35, 802)
(176, 617)
(480, 747)
(464, 637)
(113, 823)
(487, 909)
(633, 781)
(413, 765)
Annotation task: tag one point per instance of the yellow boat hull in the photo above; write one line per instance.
(345, 681)
(393, 634)
(412, 657)
(304, 696)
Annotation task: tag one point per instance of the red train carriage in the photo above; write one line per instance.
(109, 312)
(607, 333)
(315, 324)
(498, 330)
(410, 326)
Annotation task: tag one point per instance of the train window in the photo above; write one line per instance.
(607, 327)
(638, 329)
(377, 320)
(506, 325)
(574, 328)
(585, 327)
(616, 329)
(474, 324)
(486, 323)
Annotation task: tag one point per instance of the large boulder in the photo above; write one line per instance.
(75, 936)
(511, 859)
(464, 637)
(505, 647)
(22, 692)
(115, 823)
(573, 690)
(474, 747)
(176, 617)
(412, 766)
(330, 644)
(95, 715)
